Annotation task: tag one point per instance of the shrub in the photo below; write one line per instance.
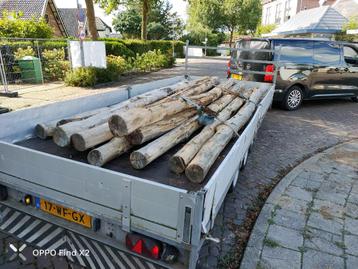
(151, 60)
(11, 25)
(54, 64)
(81, 77)
(22, 52)
(118, 49)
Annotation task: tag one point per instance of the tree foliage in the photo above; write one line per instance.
(162, 22)
(231, 16)
(265, 29)
(12, 25)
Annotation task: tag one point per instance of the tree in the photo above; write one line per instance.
(265, 29)
(111, 5)
(162, 22)
(91, 18)
(232, 16)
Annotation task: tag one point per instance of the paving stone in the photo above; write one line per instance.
(251, 259)
(285, 237)
(316, 220)
(351, 225)
(299, 193)
(319, 260)
(306, 183)
(353, 198)
(351, 262)
(289, 219)
(289, 203)
(324, 241)
(280, 258)
(351, 243)
(328, 209)
(334, 197)
(351, 210)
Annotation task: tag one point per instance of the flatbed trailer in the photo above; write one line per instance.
(152, 202)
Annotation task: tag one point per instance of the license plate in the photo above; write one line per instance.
(66, 213)
(236, 76)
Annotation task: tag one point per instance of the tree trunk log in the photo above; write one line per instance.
(89, 138)
(204, 159)
(147, 154)
(154, 130)
(62, 134)
(182, 158)
(109, 151)
(126, 122)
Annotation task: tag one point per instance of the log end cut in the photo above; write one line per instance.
(195, 173)
(177, 165)
(94, 157)
(136, 137)
(138, 160)
(117, 126)
(60, 137)
(41, 131)
(78, 142)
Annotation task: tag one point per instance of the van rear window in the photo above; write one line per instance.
(295, 52)
(252, 44)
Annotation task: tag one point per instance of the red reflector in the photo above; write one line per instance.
(138, 247)
(155, 252)
(269, 69)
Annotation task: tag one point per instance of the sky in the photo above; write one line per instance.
(179, 6)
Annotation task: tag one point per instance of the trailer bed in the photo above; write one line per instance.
(157, 171)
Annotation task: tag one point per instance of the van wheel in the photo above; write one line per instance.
(355, 99)
(293, 98)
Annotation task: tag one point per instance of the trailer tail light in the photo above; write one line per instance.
(228, 69)
(144, 246)
(269, 69)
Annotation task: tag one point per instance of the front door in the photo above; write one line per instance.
(326, 76)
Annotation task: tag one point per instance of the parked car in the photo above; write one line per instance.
(309, 68)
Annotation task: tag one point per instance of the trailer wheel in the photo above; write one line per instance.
(244, 161)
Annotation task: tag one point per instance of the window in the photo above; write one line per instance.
(350, 56)
(295, 51)
(278, 13)
(268, 15)
(327, 53)
(287, 10)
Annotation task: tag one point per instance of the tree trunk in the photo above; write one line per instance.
(154, 130)
(182, 158)
(89, 138)
(126, 122)
(231, 37)
(204, 159)
(145, 13)
(109, 151)
(91, 19)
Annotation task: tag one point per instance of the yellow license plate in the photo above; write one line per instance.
(236, 76)
(66, 213)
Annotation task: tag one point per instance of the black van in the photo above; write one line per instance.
(308, 68)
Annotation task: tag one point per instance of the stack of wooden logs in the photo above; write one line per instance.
(160, 120)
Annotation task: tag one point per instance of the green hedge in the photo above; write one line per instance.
(118, 49)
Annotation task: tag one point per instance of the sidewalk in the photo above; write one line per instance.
(310, 219)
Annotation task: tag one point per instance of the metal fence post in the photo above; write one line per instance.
(3, 75)
(186, 58)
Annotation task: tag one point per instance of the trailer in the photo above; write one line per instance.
(162, 218)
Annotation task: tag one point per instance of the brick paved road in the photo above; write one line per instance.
(310, 217)
(284, 140)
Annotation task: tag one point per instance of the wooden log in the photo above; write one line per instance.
(45, 130)
(109, 151)
(182, 158)
(142, 157)
(126, 122)
(156, 129)
(89, 138)
(204, 159)
(62, 134)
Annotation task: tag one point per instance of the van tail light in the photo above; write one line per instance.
(228, 69)
(269, 69)
(144, 246)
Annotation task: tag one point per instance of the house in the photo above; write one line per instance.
(280, 11)
(323, 22)
(69, 17)
(36, 9)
